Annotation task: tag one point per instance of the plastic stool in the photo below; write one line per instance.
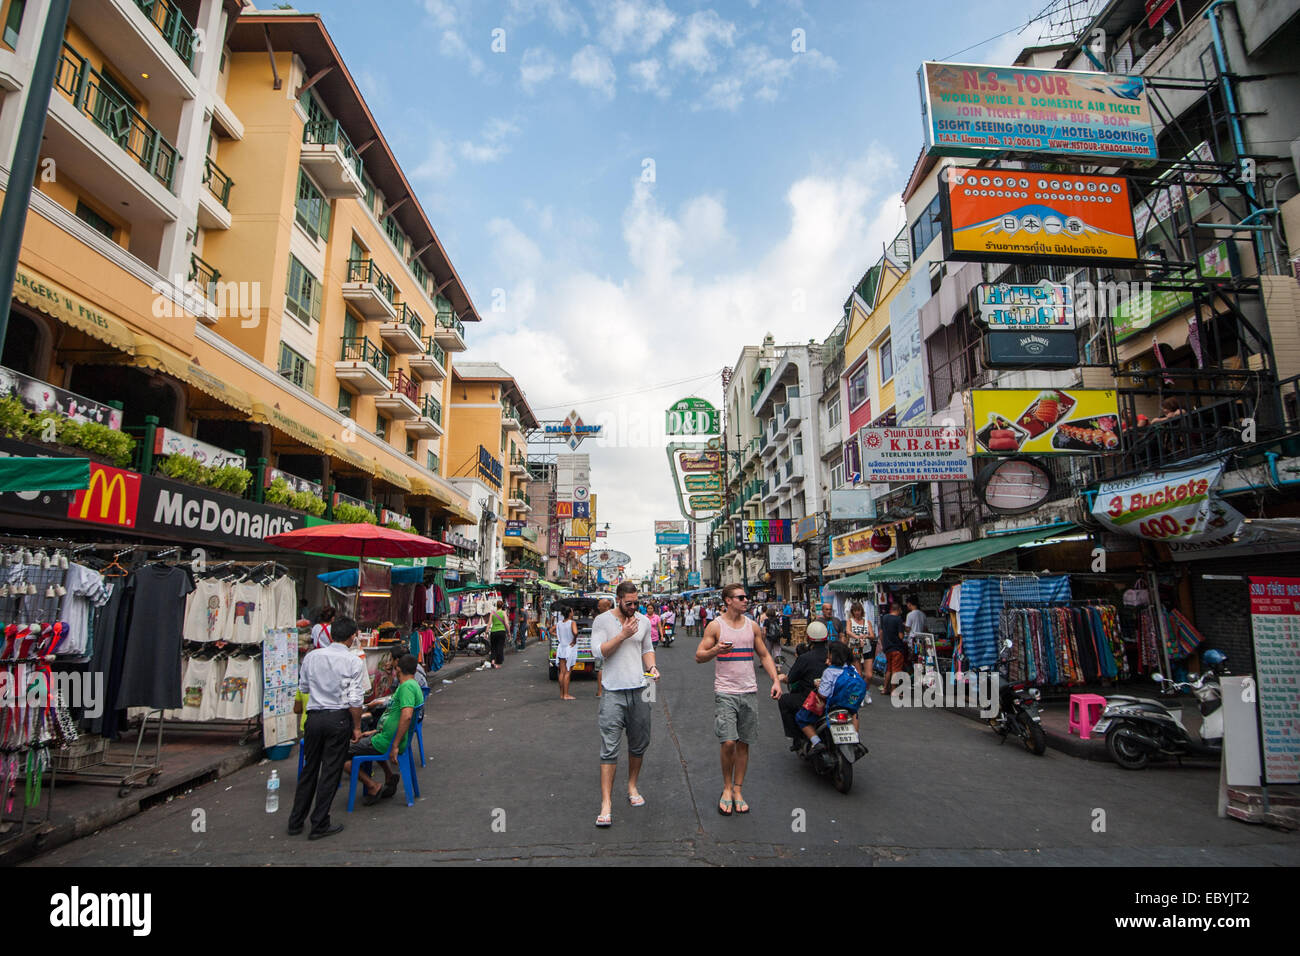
(1085, 710)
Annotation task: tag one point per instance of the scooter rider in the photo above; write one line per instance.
(802, 677)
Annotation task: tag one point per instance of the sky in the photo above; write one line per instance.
(632, 190)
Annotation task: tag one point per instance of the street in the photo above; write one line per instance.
(512, 777)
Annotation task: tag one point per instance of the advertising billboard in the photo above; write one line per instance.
(700, 461)
(931, 453)
(763, 531)
(780, 557)
(1031, 350)
(1010, 215)
(692, 416)
(1151, 307)
(1002, 307)
(1173, 507)
(974, 110)
(866, 544)
(905, 336)
(1053, 421)
(703, 484)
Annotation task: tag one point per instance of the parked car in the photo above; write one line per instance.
(584, 611)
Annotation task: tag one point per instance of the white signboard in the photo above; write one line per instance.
(905, 339)
(1173, 507)
(780, 557)
(927, 453)
(581, 493)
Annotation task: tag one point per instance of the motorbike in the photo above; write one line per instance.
(1138, 730)
(844, 748)
(475, 640)
(667, 638)
(1018, 709)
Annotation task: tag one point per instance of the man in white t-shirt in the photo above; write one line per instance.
(915, 621)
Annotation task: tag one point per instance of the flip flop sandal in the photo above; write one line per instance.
(370, 799)
(390, 788)
(725, 803)
(741, 803)
(637, 801)
(605, 820)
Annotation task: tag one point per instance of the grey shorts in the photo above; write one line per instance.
(623, 710)
(735, 717)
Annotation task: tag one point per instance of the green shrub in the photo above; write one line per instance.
(277, 493)
(15, 420)
(307, 501)
(231, 479)
(346, 513)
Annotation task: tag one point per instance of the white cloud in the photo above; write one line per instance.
(439, 162)
(444, 14)
(635, 24)
(757, 72)
(647, 76)
(694, 47)
(494, 143)
(593, 69)
(563, 16)
(536, 66)
(670, 316)
(453, 45)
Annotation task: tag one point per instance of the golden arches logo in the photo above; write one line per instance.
(108, 488)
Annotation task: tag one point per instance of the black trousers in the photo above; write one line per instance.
(789, 705)
(326, 740)
(499, 647)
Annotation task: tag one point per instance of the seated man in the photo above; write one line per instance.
(840, 687)
(389, 739)
(804, 675)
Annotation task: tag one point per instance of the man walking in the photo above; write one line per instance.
(731, 642)
(891, 642)
(834, 626)
(332, 678)
(621, 638)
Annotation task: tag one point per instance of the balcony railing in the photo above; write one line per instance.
(173, 26)
(431, 408)
(86, 88)
(405, 385)
(202, 273)
(330, 133)
(361, 349)
(365, 271)
(218, 182)
(448, 320)
(433, 348)
(408, 317)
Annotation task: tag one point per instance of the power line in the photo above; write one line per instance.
(1041, 15)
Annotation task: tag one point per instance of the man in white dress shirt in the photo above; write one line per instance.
(332, 678)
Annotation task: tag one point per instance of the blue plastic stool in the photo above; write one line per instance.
(302, 754)
(405, 765)
(418, 725)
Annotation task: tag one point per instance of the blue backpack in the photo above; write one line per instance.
(849, 690)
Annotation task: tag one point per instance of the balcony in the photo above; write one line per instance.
(333, 162)
(363, 365)
(202, 278)
(795, 471)
(510, 418)
(430, 361)
(770, 492)
(404, 334)
(519, 464)
(85, 89)
(214, 198)
(754, 449)
(429, 422)
(754, 492)
(171, 23)
(767, 446)
(450, 332)
(402, 401)
(793, 416)
(369, 290)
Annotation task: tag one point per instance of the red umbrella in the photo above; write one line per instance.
(360, 540)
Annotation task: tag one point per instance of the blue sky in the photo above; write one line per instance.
(634, 189)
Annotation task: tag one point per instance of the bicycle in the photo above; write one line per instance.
(447, 640)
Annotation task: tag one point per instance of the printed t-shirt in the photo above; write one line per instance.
(205, 611)
(408, 694)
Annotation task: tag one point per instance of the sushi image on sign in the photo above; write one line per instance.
(1051, 421)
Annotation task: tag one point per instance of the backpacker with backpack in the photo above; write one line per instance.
(849, 690)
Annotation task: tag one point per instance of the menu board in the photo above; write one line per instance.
(279, 685)
(1275, 623)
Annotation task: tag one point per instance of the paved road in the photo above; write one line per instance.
(936, 788)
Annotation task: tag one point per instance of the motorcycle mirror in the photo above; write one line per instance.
(1157, 677)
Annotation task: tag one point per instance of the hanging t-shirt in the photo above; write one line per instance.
(284, 598)
(241, 689)
(247, 614)
(201, 689)
(86, 589)
(206, 612)
(151, 663)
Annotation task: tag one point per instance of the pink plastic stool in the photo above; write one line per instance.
(1085, 710)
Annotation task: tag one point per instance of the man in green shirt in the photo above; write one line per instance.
(389, 739)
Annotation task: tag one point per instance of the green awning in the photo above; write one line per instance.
(930, 563)
(44, 474)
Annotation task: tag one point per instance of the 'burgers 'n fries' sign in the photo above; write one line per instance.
(1051, 421)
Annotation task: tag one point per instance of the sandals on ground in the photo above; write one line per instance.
(605, 820)
(725, 806)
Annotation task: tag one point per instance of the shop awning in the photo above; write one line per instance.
(33, 289)
(349, 454)
(930, 563)
(44, 474)
(164, 358)
(286, 423)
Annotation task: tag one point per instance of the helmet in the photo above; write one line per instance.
(1213, 658)
(816, 631)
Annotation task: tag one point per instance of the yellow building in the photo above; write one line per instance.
(222, 242)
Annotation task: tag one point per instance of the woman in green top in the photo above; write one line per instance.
(498, 627)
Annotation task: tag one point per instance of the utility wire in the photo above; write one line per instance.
(1042, 15)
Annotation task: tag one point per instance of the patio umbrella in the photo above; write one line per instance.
(361, 541)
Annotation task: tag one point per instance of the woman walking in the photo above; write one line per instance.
(862, 641)
(498, 628)
(566, 651)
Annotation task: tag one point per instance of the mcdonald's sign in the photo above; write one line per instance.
(112, 498)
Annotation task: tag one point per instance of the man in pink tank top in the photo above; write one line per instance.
(732, 641)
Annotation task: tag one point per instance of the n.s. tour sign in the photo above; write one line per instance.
(692, 416)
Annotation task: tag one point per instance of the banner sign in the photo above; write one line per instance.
(577, 547)
(168, 442)
(677, 527)
(693, 579)
(37, 396)
(1275, 625)
(1166, 201)
(710, 484)
(705, 502)
(930, 453)
(489, 467)
(780, 557)
(1147, 309)
(553, 527)
(805, 529)
(852, 504)
(1031, 350)
(671, 539)
(1024, 308)
(1018, 421)
(582, 509)
(395, 517)
(701, 461)
(905, 335)
(974, 110)
(294, 482)
(996, 215)
(692, 416)
(571, 431)
(564, 509)
(1172, 507)
(763, 531)
(867, 543)
(514, 529)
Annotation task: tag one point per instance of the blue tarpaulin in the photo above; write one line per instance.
(347, 578)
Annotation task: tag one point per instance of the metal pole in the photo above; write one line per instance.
(27, 153)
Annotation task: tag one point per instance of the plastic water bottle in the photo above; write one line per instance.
(273, 792)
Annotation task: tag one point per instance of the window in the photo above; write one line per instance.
(296, 368)
(858, 392)
(926, 227)
(302, 295)
(837, 475)
(886, 361)
(313, 209)
(798, 447)
(381, 427)
(349, 325)
(953, 352)
(221, 67)
(345, 402)
(833, 412)
(394, 232)
(14, 22)
(433, 462)
(315, 112)
(410, 448)
(95, 221)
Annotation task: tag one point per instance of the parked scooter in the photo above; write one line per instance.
(475, 640)
(843, 748)
(1138, 730)
(1018, 709)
